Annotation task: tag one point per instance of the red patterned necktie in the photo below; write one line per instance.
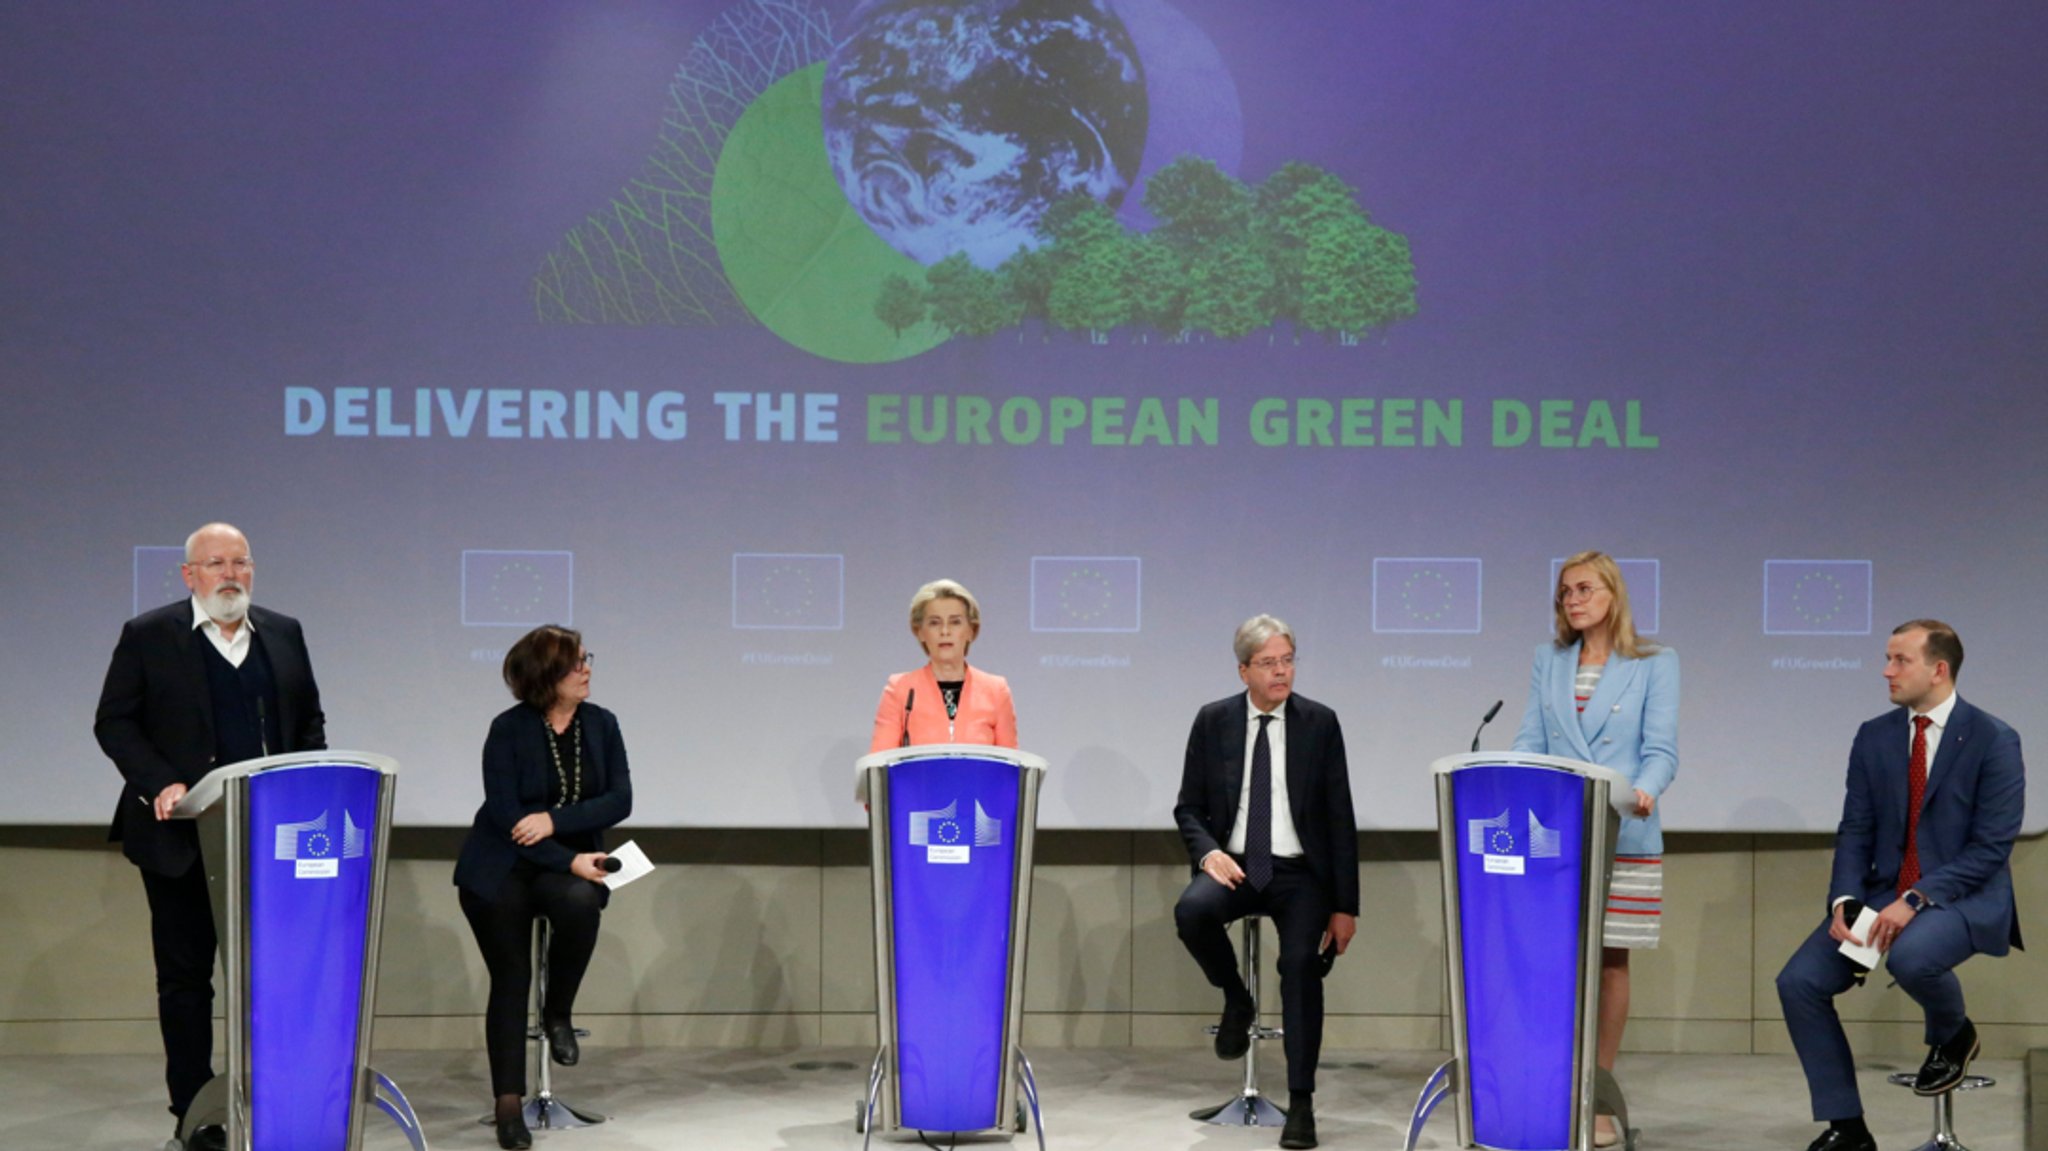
(1916, 790)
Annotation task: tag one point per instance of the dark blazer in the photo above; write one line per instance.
(517, 770)
(1318, 789)
(1969, 817)
(155, 720)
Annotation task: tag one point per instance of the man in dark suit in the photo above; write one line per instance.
(1936, 793)
(193, 685)
(1265, 809)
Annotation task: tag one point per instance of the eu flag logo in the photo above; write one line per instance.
(1085, 593)
(1817, 597)
(517, 589)
(158, 579)
(1644, 579)
(788, 592)
(1411, 596)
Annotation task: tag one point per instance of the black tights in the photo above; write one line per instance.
(504, 933)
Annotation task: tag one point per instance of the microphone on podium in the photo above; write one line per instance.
(909, 698)
(1488, 718)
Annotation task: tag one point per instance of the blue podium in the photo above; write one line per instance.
(1526, 843)
(951, 829)
(294, 849)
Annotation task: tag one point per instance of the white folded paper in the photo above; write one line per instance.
(633, 863)
(1862, 953)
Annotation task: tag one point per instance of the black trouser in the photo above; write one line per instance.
(504, 933)
(182, 937)
(1300, 910)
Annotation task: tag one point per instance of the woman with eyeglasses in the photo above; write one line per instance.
(945, 701)
(555, 778)
(1601, 694)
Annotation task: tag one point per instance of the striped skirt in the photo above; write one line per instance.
(1635, 901)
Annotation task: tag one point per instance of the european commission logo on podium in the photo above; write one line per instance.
(310, 847)
(518, 588)
(1414, 596)
(1817, 597)
(1494, 840)
(944, 839)
(788, 592)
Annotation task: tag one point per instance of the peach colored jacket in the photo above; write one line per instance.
(986, 714)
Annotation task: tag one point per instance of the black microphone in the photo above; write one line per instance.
(609, 865)
(908, 699)
(1488, 718)
(262, 729)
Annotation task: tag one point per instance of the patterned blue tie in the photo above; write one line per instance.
(1258, 831)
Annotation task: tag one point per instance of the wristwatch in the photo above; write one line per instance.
(1915, 900)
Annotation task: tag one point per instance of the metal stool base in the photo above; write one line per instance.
(1944, 1136)
(1243, 1111)
(1249, 1107)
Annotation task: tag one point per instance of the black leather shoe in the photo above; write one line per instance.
(1234, 1030)
(562, 1041)
(1301, 1121)
(1947, 1062)
(208, 1138)
(513, 1135)
(1837, 1139)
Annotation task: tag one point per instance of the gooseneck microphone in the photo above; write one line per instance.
(909, 698)
(1488, 718)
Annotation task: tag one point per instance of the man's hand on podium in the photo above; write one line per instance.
(166, 800)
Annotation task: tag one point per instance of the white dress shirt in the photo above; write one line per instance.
(1286, 841)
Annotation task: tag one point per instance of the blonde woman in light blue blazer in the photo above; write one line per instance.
(1601, 694)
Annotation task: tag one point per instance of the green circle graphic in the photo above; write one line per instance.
(797, 254)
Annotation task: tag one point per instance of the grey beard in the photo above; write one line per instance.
(223, 607)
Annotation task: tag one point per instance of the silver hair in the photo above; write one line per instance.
(192, 541)
(1256, 633)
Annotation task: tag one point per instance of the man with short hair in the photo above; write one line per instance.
(202, 682)
(1265, 810)
(1936, 792)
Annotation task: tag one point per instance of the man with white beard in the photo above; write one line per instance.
(195, 684)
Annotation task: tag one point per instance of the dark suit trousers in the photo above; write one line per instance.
(503, 928)
(1923, 959)
(182, 936)
(1300, 910)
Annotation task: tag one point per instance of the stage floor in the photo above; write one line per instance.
(1122, 1098)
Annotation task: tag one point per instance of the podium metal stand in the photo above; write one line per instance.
(951, 829)
(294, 848)
(1526, 842)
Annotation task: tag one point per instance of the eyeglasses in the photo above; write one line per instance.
(1273, 663)
(1579, 592)
(589, 658)
(217, 565)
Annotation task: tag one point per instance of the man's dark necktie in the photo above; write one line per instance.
(1916, 793)
(1258, 830)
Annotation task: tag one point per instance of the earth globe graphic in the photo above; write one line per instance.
(951, 127)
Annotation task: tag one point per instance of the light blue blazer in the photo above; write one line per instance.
(1629, 726)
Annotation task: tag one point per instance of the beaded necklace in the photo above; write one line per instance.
(572, 790)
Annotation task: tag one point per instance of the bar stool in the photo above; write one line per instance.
(1248, 1108)
(1944, 1137)
(543, 1111)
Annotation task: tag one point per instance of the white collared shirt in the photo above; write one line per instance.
(1286, 841)
(234, 649)
(1939, 713)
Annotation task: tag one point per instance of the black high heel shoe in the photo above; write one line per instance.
(562, 1041)
(512, 1133)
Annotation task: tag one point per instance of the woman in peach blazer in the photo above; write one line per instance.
(945, 701)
